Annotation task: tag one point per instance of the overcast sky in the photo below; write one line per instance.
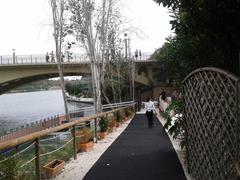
(25, 25)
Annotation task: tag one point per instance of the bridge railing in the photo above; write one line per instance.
(143, 57)
(41, 58)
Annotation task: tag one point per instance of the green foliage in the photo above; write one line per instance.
(77, 89)
(36, 86)
(9, 169)
(118, 116)
(207, 34)
(86, 135)
(176, 58)
(103, 124)
(127, 112)
(175, 127)
(116, 86)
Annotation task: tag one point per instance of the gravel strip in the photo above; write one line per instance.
(77, 169)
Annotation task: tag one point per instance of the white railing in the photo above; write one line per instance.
(41, 59)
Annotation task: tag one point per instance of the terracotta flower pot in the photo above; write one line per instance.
(53, 168)
(103, 135)
(119, 124)
(111, 129)
(85, 147)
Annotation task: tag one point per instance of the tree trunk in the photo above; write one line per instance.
(96, 87)
(58, 37)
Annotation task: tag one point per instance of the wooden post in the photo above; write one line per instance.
(37, 159)
(74, 142)
(95, 130)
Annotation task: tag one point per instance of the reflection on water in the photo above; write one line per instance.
(22, 108)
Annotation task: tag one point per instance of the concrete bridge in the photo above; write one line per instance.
(16, 74)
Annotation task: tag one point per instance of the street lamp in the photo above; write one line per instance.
(126, 45)
(14, 56)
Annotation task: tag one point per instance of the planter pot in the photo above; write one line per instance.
(103, 135)
(85, 147)
(53, 168)
(119, 124)
(111, 129)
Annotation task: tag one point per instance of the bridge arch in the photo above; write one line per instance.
(13, 75)
(16, 75)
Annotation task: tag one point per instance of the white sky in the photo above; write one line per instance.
(25, 25)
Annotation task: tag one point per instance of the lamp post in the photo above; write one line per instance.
(14, 56)
(126, 45)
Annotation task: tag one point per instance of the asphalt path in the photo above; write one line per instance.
(139, 153)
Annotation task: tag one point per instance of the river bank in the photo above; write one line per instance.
(17, 109)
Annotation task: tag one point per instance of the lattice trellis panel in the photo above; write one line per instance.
(212, 124)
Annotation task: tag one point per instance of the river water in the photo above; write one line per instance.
(18, 109)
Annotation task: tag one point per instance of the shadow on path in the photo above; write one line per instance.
(139, 153)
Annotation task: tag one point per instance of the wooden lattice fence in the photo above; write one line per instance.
(212, 124)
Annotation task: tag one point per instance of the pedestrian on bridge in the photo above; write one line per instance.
(136, 54)
(140, 54)
(47, 57)
(150, 109)
(52, 57)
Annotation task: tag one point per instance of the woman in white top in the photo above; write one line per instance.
(150, 108)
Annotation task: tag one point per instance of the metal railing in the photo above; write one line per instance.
(41, 59)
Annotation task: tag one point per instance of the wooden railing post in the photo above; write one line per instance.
(74, 142)
(95, 130)
(37, 159)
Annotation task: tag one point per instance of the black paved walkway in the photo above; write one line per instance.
(139, 153)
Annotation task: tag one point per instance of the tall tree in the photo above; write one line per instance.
(82, 15)
(58, 7)
(211, 27)
(96, 28)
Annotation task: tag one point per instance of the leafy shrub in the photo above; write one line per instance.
(103, 124)
(86, 135)
(175, 126)
(127, 112)
(9, 169)
(112, 122)
(118, 116)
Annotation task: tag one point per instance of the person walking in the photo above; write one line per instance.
(62, 56)
(150, 108)
(140, 54)
(52, 57)
(174, 95)
(47, 57)
(136, 54)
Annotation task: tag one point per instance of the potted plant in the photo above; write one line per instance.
(85, 140)
(118, 118)
(103, 124)
(127, 113)
(53, 168)
(112, 125)
(122, 116)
